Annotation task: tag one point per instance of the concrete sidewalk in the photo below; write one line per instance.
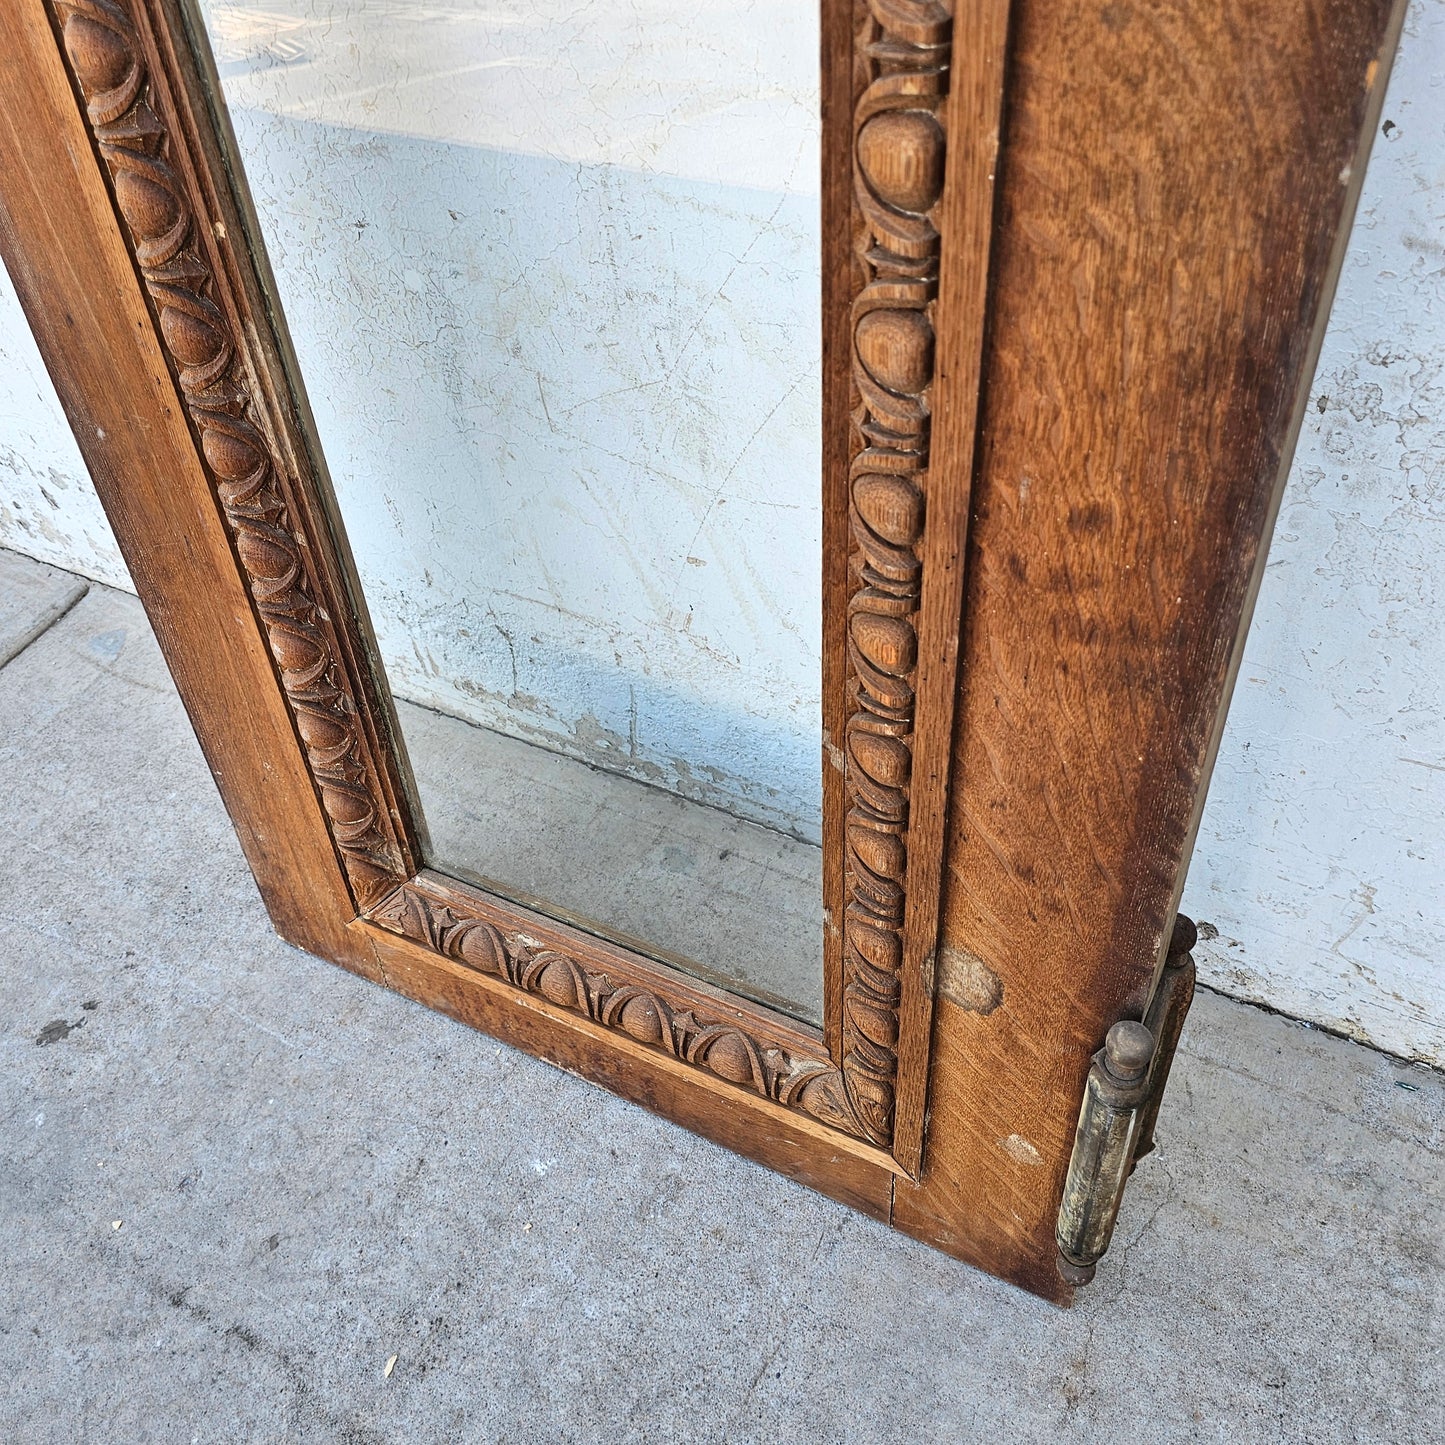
(235, 1181)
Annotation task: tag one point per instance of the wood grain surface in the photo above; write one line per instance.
(965, 220)
(1173, 193)
(726, 1038)
(899, 414)
(785, 1140)
(1175, 190)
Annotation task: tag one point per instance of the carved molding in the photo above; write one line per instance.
(107, 61)
(643, 1013)
(901, 57)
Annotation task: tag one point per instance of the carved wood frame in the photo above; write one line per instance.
(138, 71)
(150, 302)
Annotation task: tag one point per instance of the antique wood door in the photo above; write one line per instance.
(1076, 259)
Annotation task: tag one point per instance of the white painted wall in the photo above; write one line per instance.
(48, 508)
(1319, 862)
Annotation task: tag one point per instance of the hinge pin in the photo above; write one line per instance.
(1103, 1148)
(1116, 1119)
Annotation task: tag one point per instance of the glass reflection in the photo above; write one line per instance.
(552, 275)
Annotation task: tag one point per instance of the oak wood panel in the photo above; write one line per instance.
(78, 285)
(965, 220)
(1175, 184)
(151, 108)
(901, 55)
(1175, 190)
(822, 1158)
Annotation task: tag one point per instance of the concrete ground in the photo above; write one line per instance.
(236, 1181)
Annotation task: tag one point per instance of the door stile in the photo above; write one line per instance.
(146, 112)
(77, 282)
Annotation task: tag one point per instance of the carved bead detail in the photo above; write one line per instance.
(193, 340)
(558, 984)
(230, 456)
(880, 947)
(722, 1049)
(890, 506)
(889, 643)
(884, 759)
(320, 731)
(264, 556)
(149, 209)
(880, 853)
(897, 348)
(345, 806)
(728, 1057)
(641, 1017)
(106, 59)
(898, 181)
(483, 949)
(101, 58)
(299, 653)
(878, 1025)
(900, 153)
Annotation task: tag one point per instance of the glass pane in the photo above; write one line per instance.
(552, 275)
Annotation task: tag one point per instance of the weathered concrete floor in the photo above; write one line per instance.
(235, 1180)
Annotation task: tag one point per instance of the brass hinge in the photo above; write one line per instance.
(1120, 1108)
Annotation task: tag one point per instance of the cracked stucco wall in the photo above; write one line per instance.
(1318, 872)
(48, 508)
(1319, 867)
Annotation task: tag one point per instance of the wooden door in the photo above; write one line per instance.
(1077, 259)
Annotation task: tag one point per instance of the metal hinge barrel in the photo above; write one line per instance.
(1118, 1113)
